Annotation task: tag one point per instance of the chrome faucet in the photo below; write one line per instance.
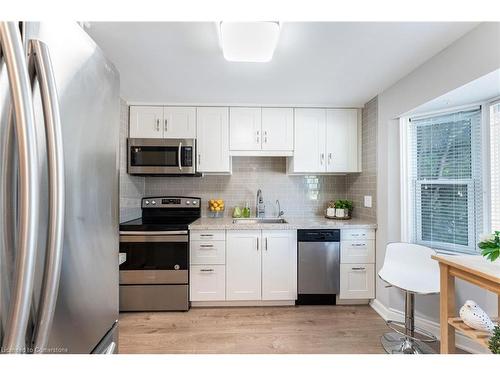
(280, 213)
(260, 210)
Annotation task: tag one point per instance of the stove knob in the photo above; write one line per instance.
(146, 203)
(195, 203)
(153, 202)
(188, 202)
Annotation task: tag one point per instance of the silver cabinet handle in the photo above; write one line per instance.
(358, 268)
(199, 159)
(23, 275)
(329, 158)
(179, 158)
(266, 244)
(258, 138)
(166, 125)
(257, 243)
(157, 124)
(265, 136)
(207, 270)
(206, 246)
(358, 244)
(206, 235)
(322, 158)
(40, 67)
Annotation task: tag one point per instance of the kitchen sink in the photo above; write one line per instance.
(260, 220)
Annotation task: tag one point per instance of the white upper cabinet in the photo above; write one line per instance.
(146, 122)
(279, 265)
(327, 141)
(179, 122)
(245, 128)
(309, 151)
(277, 129)
(162, 122)
(343, 137)
(212, 144)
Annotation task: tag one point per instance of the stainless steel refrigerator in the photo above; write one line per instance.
(59, 132)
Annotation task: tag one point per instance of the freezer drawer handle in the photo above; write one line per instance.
(24, 272)
(40, 68)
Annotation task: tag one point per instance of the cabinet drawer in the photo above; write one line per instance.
(360, 251)
(357, 281)
(357, 234)
(208, 235)
(207, 252)
(208, 283)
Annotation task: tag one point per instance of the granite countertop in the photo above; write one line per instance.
(315, 222)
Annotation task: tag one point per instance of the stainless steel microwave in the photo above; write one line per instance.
(161, 156)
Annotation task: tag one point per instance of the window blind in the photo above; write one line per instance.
(446, 180)
(495, 165)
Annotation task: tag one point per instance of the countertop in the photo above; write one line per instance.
(316, 222)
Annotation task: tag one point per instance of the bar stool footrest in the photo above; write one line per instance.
(422, 335)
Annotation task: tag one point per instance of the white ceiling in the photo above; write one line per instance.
(340, 64)
(482, 89)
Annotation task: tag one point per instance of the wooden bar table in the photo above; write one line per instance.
(475, 270)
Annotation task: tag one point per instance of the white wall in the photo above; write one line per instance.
(470, 57)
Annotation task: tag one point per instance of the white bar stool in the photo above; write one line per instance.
(410, 268)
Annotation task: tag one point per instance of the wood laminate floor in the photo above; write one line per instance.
(302, 329)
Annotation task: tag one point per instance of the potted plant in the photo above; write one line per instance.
(490, 246)
(343, 208)
(494, 342)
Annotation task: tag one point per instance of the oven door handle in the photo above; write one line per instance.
(148, 238)
(152, 233)
(179, 156)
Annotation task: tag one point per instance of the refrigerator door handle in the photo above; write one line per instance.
(24, 269)
(40, 69)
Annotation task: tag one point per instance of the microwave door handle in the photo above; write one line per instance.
(179, 156)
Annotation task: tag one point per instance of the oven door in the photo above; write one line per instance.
(161, 156)
(154, 258)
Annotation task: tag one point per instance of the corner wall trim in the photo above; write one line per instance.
(462, 341)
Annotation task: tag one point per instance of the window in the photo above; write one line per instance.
(445, 173)
(495, 165)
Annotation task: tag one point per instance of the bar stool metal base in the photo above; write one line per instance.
(396, 343)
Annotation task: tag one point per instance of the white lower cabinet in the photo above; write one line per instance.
(357, 281)
(208, 283)
(243, 265)
(279, 265)
(357, 264)
(261, 265)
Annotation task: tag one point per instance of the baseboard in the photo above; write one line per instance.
(461, 341)
(241, 303)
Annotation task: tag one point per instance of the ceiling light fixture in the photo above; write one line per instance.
(249, 41)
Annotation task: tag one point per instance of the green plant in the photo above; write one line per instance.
(345, 204)
(494, 343)
(490, 246)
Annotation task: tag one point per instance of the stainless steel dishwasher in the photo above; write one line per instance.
(318, 266)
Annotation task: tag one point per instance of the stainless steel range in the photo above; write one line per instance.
(155, 247)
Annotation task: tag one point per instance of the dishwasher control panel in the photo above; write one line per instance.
(318, 235)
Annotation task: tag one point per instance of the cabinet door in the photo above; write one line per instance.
(357, 281)
(212, 142)
(342, 140)
(179, 122)
(146, 122)
(309, 150)
(207, 283)
(279, 265)
(245, 128)
(277, 129)
(243, 265)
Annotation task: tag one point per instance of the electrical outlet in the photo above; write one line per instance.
(368, 200)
